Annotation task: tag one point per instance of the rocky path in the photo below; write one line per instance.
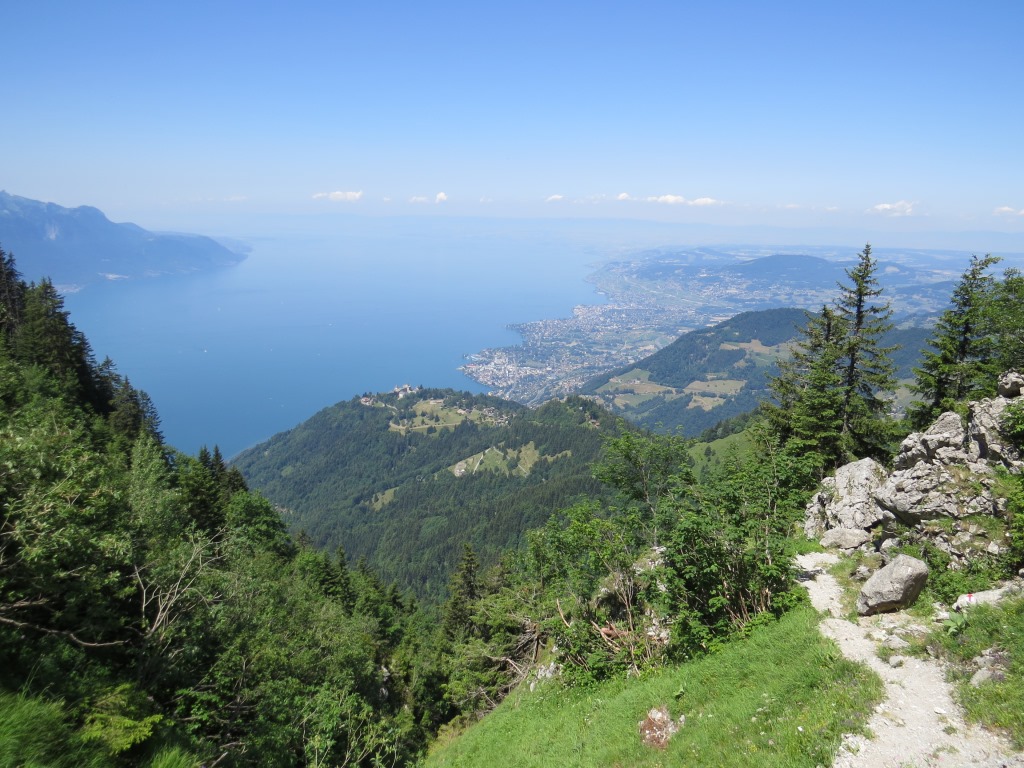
(918, 724)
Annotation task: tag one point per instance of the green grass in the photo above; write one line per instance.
(519, 461)
(738, 442)
(782, 697)
(994, 704)
(35, 733)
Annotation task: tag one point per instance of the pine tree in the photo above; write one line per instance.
(815, 421)
(45, 337)
(868, 373)
(464, 591)
(821, 335)
(1007, 315)
(12, 295)
(961, 362)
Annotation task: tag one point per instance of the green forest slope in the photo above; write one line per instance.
(717, 373)
(405, 479)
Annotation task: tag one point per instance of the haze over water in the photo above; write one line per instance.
(232, 357)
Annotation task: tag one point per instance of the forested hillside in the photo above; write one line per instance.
(155, 612)
(406, 478)
(717, 373)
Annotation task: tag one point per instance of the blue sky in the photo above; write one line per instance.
(901, 116)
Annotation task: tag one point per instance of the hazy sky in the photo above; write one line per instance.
(804, 114)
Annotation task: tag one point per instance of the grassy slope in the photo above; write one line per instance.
(783, 697)
(998, 704)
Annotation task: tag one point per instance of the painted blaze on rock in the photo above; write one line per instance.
(893, 587)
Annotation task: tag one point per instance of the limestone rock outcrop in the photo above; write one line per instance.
(893, 587)
(846, 500)
(986, 442)
(941, 482)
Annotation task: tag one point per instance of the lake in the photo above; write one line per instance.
(231, 357)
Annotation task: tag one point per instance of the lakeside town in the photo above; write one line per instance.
(654, 298)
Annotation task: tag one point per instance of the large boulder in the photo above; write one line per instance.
(847, 499)
(893, 587)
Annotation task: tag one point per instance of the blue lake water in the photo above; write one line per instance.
(231, 357)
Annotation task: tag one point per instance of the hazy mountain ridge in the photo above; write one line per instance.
(78, 246)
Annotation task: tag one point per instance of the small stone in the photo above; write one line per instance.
(845, 538)
(896, 661)
(658, 728)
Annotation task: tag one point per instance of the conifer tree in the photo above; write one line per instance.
(12, 295)
(464, 592)
(961, 363)
(868, 372)
(1007, 316)
(821, 336)
(45, 337)
(815, 418)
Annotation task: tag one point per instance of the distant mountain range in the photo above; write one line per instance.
(78, 246)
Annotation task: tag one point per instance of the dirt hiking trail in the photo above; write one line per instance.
(918, 725)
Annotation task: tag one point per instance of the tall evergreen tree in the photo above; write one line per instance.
(815, 418)
(821, 336)
(1007, 315)
(961, 363)
(868, 372)
(12, 295)
(464, 592)
(46, 338)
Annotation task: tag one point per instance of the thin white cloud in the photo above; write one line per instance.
(680, 200)
(339, 196)
(440, 197)
(554, 198)
(486, 199)
(386, 198)
(419, 199)
(900, 208)
(623, 196)
(832, 208)
(1005, 210)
